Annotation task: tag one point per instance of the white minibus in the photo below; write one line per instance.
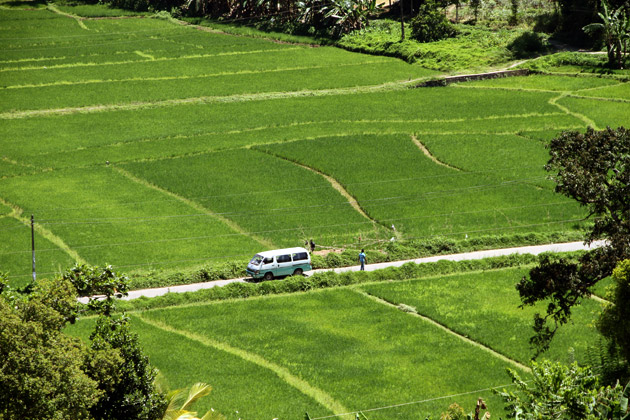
(279, 262)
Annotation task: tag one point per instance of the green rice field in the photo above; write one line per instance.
(149, 144)
(336, 351)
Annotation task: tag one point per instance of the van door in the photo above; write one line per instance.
(285, 265)
(268, 264)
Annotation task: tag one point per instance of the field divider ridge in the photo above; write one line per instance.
(53, 8)
(123, 62)
(428, 154)
(554, 101)
(16, 213)
(447, 330)
(181, 77)
(332, 181)
(229, 223)
(244, 97)
(283, 373)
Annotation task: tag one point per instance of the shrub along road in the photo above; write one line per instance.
(534, 250)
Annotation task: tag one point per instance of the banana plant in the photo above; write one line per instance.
(615, 28)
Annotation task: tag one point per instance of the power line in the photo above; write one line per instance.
(413, 402)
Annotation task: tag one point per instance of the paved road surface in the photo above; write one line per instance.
(534, 250)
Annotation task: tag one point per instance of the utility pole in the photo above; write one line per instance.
(33, 244)
(402, 21)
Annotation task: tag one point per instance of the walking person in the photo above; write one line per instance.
(362, 259)
(312, 244)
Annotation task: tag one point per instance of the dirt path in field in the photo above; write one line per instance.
(283, 373)
(581, 117)
(384, 87)
(449, 331)
(333, 182)
(428, 154)
(229, 223)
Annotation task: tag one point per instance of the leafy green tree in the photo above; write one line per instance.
(613, 323)
(514, 15)
(130, 393)
(594, 169)
(475, 5)
(100, 284)
(615, 29)
(41, 376)
(342, 15)
(431, 24)
(564, 392)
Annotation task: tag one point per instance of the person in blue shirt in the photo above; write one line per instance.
(362, 259)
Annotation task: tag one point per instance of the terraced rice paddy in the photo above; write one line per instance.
(148, 144)
(343, 350)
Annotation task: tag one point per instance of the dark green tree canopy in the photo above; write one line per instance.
(594, 169)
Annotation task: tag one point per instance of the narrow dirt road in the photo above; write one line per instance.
(534, 250)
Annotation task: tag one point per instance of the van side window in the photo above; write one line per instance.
(283, 258)
(300, 256)
(268, 260)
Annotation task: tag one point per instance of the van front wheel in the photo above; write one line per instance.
(269, 276)
(298, 272)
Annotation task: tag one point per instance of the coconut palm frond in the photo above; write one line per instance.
(195, 392)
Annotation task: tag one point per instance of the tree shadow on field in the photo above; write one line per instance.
(24, 4)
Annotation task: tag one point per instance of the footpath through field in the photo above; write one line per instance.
(477, 255)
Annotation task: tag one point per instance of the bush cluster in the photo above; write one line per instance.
(431, 24)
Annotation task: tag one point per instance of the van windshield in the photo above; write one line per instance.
(256, 260)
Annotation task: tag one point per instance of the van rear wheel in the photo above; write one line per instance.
(298, 272)
(269, 276)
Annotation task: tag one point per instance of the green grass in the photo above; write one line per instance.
(181, 107)
(465, 198)
(549, 82)
(484, 307)
(361, 353)
(95, 10)
(268, 197)
(107, 218)
(603, 113)
(358, 353)
(16, 253)
(473, 48)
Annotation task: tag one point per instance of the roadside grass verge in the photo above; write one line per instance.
(324, 280)
(484, 307)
